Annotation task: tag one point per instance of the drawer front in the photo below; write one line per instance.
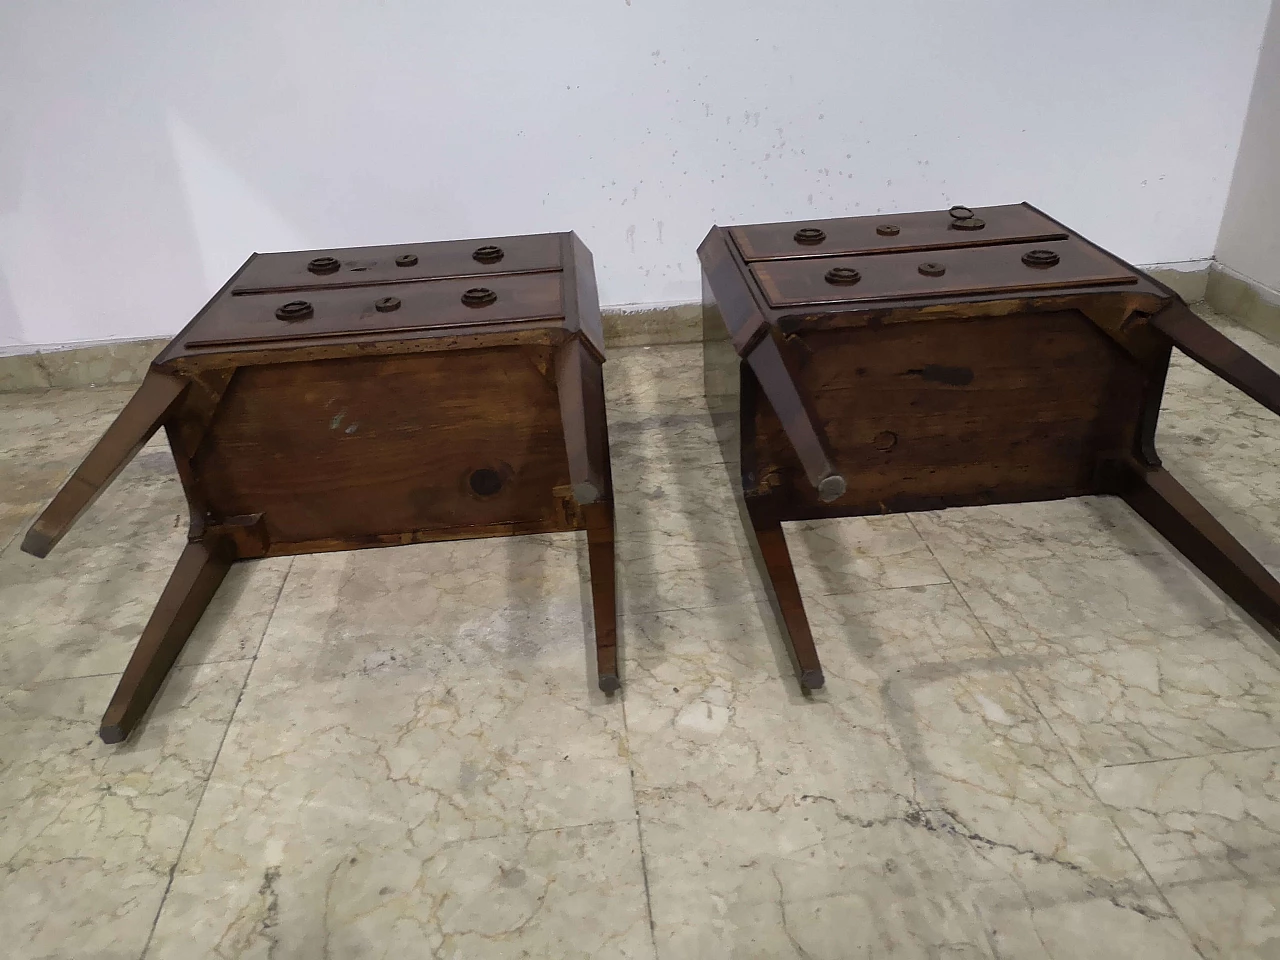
(911, 276)
(399, 263)
(934, 230)
(353, 311)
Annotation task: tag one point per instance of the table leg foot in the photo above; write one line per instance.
(599, 516)
(781, 578)
(195, 579)
(145, 412)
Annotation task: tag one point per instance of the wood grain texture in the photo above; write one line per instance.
(391, 410)
(780, 575)
(383, 447)
(1219, 353)
(990, 381)
(956, 412)
(195, 579)
(148, 409)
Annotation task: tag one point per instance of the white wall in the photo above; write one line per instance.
(147, 147)
(1249, 243)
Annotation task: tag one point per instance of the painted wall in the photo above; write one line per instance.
(147, 147)
(1249, 243)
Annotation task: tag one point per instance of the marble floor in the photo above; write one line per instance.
(1043, 734)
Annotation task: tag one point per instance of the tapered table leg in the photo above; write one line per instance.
(781, 577)
(145, 412)
(195, 579)
(1184, 522)
(603, 592)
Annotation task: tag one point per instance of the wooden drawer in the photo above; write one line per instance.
(361, 266)
(354, 311)
(933, 230)
(899, 276)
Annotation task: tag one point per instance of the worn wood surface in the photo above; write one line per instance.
(780, 576)
(426, 392)
(145, 413)
(1219, 353)
(195, 579)
(984, 378)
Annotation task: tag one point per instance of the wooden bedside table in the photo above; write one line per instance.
(374, 396)
(926, 360)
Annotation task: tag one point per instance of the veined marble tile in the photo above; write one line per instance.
(916, 807)
(852, 554)
(1129, 658)
(89, 833)
(1200, 818)
(1046, 605)
(714, 713)
(1150, 695)
(448, 688)
(1208, 830)
(675, 574)
(1230, 919)
(639, 439)
(956, 739)
(666, 378)
(815, 879)
(42, 437)
(664, 501)
(891, 630)
(1225, 447)
(260, 878)
(1079, 528)
(80, 611)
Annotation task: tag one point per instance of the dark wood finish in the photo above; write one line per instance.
(897, 276)
(780, 578)
(374, 266)
(928, 230)
(144, 414)
(599, 517)
(195, 579)
(990, 381)
(1184, 522)
(1220, 354)
(370, 421)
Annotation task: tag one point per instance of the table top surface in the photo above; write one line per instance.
(375, 295)
(897, 260)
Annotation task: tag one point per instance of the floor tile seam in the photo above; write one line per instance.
(1102, 807)
(1000, 653)
(213, 766)
(1189, 756)
(947, 582)
(20, 529)
(1105, 808)
(635, 806)
(44, 681)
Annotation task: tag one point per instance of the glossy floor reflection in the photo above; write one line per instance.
(1043, 734)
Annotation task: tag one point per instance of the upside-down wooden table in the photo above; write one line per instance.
(927, 360)
(374, 396)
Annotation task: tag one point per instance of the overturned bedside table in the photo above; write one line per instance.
(367, 397)
(926, 360)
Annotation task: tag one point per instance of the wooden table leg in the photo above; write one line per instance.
(194, 581)
(599, 517)
(798, 421)
(781, 577)
(1182, 520)
(145, 412)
